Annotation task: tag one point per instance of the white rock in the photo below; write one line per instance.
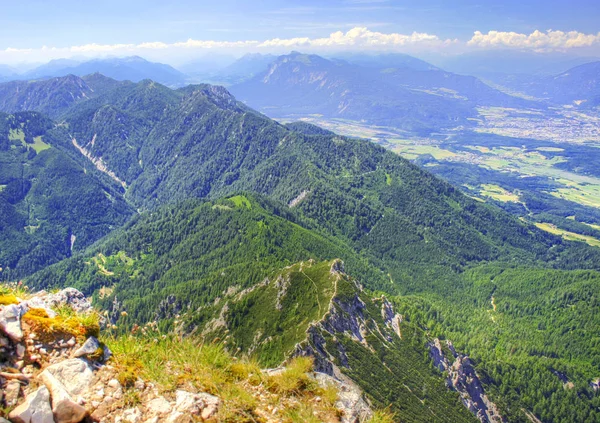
(159, 406)
(178, 417)
(90, 346)
(210, 405)
(20, 350)
(186, 402)
(12, 391)
(114, 383)
(70, 297)
(38, 302)
(131, 415)
(75, 374)
(35, 409)
(64, 408)
(10, 322)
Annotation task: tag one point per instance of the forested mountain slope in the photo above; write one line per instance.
(51, 97)
(49, 204)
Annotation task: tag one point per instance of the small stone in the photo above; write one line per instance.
(211, 405)
(159, 406)
(12, 391)
(90, 346)
(131, 415)
(114, 383)
(20, 350)
(4, 342)
(107, 354)
(10, 322)
(178, 417)
(139, 385)
(71, 342)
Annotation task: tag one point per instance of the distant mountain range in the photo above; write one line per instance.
(132, 68)
(393, 91)
(578, 86)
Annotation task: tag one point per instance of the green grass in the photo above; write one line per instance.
(17, 135)
(208, 367)
(571, 236)
(498, 193)
(240, 201)
(39, 145)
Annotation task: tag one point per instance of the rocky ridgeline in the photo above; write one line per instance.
(54, 370)
(463, 378)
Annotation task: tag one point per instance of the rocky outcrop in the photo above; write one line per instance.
(351, 401)
(463, 378)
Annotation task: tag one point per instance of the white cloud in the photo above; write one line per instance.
(360, 37)
(537, 40)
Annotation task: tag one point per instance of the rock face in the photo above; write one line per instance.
(35, 409)
(463, 378)
(10, 321)
(351, 401)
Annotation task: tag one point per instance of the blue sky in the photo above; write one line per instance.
(26, 26)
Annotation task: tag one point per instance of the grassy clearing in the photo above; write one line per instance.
(39, 145)
(571, 236)
(16, 135)
(409, 150)
(498, 193)
(241, 201)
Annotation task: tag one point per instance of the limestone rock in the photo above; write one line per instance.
(64, 408)
(131, 415)
(159, 406)
(90, 346)
(12, 391)
(178, 417)
(75, 375)
(35, 409)
(350, 401)
(39, 303)
(10, 321)
(210, 405)
(202, 404)
(71, 297)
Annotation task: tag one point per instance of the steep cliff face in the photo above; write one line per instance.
(463, 378)
(362, 340)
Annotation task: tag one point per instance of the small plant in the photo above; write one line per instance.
(294, 377)
(66, 323)
(131, 398)
(383, 416)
